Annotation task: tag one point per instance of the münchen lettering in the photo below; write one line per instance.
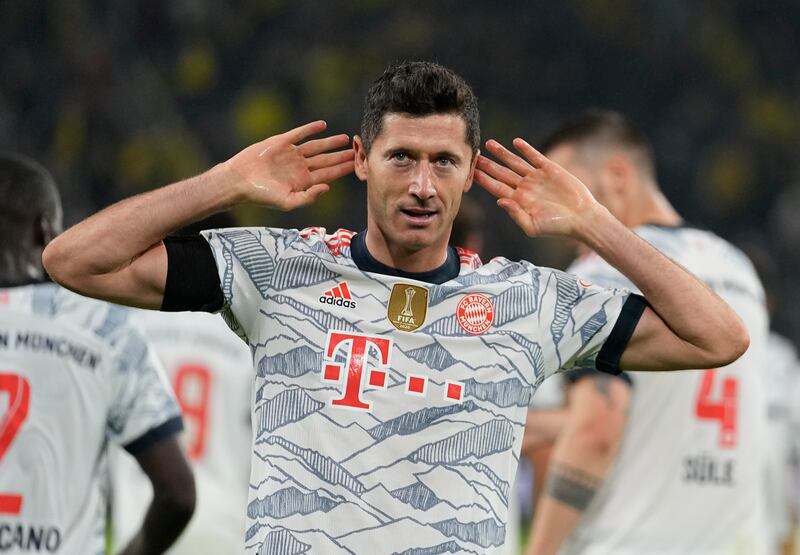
(58, 346)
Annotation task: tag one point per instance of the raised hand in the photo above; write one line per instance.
(278, 172)
(539, 195)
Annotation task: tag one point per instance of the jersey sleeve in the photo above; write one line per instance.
(247, 263)
(589, 326)
(143, 409)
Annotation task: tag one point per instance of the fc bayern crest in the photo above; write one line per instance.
(475, 313)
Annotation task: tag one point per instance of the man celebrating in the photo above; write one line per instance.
(393, 371)
(74, 376)
(656, 463)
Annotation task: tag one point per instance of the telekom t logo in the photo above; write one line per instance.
(358, 347)
(357, 354)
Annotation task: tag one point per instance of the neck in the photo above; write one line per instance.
(404, 259)
(19, 269)
(652, 208)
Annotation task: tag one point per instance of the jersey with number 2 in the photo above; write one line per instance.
(74, 375)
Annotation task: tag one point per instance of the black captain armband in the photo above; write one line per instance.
(192, 278)
(610, 354)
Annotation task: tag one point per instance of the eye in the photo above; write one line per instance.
(444, 162)
(400, 157)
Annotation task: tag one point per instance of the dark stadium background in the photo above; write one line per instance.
(118, 96)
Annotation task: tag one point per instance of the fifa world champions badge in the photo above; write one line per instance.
(475, 313)
(408, 306)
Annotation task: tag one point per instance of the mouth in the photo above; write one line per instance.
(418, 216)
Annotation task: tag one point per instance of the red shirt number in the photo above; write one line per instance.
(723, 410)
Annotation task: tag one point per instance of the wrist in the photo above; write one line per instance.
(596, 227)
(230, 185)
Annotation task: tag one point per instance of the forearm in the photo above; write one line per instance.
(692, 311)
(112, 238)
(574, 475)
(163, 524)
(542, 427)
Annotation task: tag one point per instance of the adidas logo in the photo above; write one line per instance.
(338, 296)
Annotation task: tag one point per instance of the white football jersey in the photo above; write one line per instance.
(687, 478)
(389, 411)
(781, 375)
(211, 372)
(75, 375)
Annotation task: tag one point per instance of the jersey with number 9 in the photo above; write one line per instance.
(211, 372)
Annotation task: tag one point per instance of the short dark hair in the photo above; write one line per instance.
(27, 192)
(606, 127)
(420, 89)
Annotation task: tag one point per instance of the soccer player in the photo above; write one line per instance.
(74, 376)
(393, 371)
(211, 373)
(657, 463)
(781, 377)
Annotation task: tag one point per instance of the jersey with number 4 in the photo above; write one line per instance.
(74, 376)
(388, 411)
(211, 374)
(687, 478)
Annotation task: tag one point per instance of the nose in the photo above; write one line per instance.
(422, 185)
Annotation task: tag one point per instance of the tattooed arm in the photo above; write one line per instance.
(583, 453)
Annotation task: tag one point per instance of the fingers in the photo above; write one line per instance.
(508, 158)
(495, 187)
(304, 198)
(499, 172)
(534, 156)
(297, 134)
(330, 159)
(520, 216)
(317, 146)
(330, 173)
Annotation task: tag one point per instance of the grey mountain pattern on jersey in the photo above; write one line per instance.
(513, 303)
(492, 437)
(323, 318)
(417, 495)
(484, 533)
(294, 363)
(507, 393)
(411, 468)
(282, 542)
(289, 501)
(247, 247)
(324, 467)
(434, 356)
(568, 294)
(501, 484)
(473, 279)
(448, 547)
(412, 422)
(288, 406)
(115, 317)
(300, 271)
(594, 324)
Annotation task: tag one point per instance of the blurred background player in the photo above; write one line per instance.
(659, 463)
(781, 382)
(211, 372)
(74, 376)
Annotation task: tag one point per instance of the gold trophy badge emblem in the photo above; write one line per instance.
(408, 306)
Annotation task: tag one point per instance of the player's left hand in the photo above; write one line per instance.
(539, 195)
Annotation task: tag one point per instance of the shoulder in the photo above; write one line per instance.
(249, 241)
(103, 320)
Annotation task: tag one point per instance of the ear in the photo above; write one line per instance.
(620, 171)
(362, 166)
(45, 231)
(472, 165)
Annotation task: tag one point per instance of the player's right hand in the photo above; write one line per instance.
(281, 173)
